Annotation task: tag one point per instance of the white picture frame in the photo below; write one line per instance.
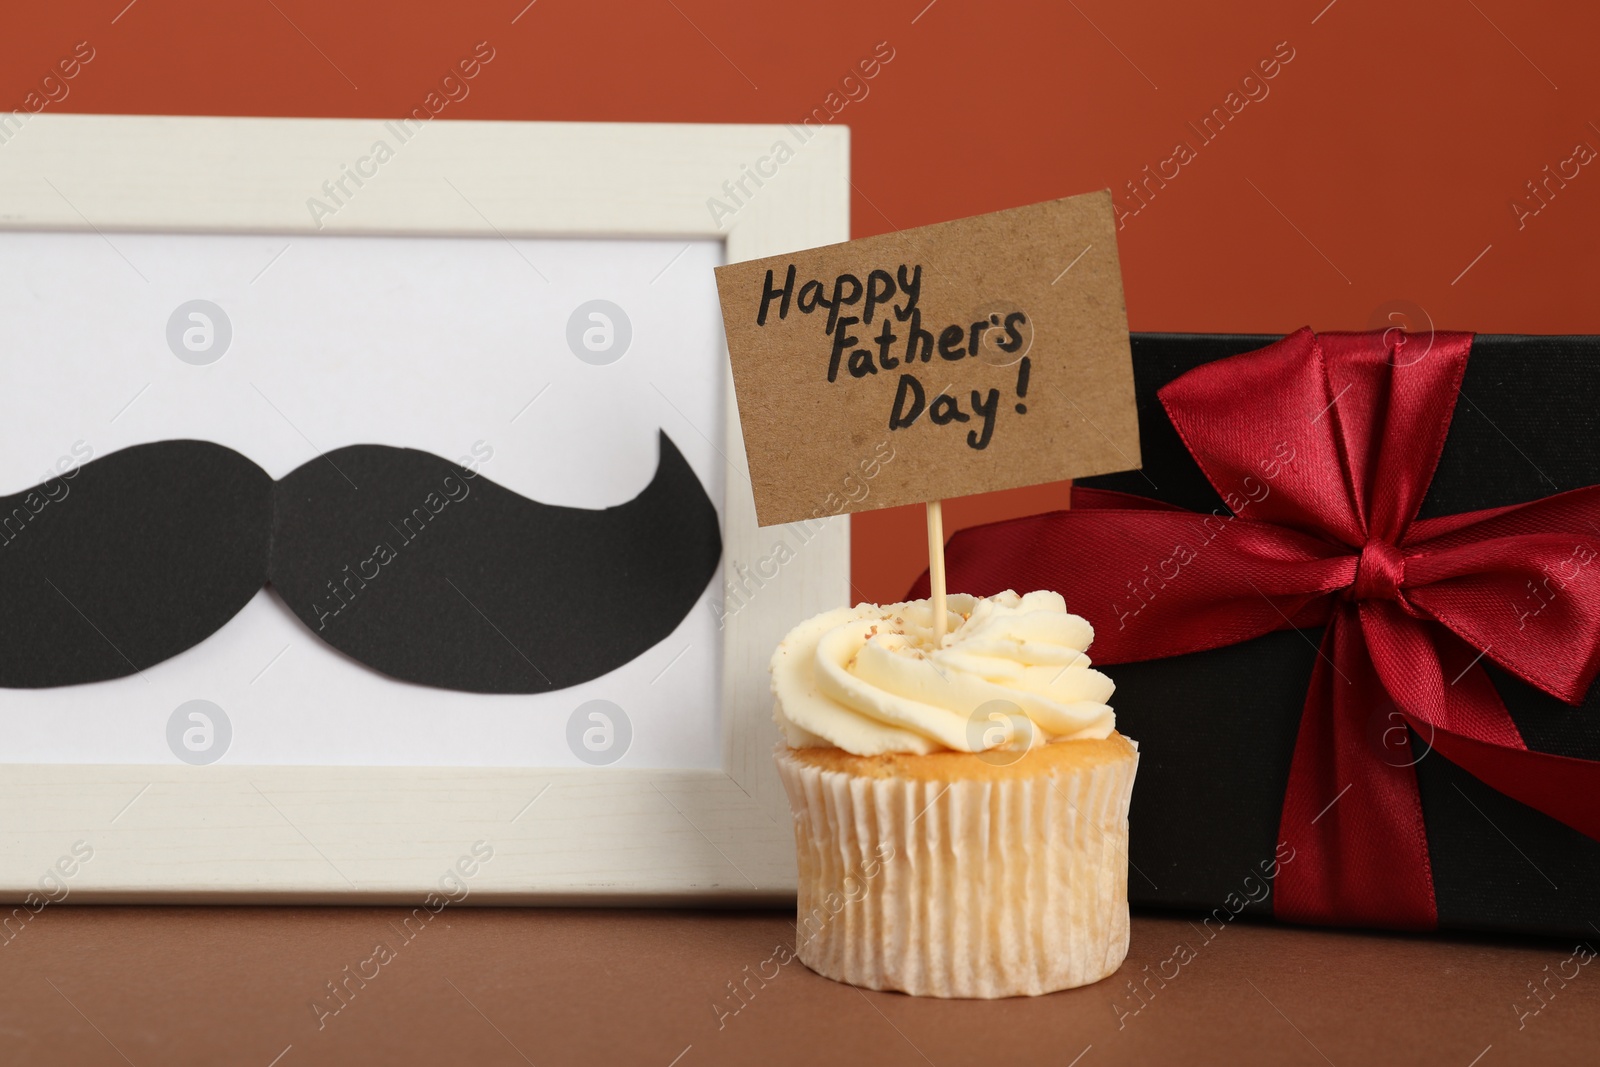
(230, 833)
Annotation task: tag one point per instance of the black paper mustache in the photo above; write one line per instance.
(408, 563)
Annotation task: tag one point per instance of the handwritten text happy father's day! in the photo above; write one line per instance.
(891, 297)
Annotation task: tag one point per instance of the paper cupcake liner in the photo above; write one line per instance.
(982, 888)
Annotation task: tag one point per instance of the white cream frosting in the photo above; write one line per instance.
(870, 680)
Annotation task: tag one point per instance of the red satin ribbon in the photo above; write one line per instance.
(1324, 447)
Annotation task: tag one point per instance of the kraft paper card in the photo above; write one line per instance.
(959, 358)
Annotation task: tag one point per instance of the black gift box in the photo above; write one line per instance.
(1216, 729)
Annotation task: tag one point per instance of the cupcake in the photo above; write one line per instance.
(960, 808)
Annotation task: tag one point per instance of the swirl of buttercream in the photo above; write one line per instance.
(870, 680)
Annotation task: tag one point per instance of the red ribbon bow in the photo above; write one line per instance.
(1324, 447)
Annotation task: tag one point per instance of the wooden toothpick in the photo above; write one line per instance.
(936, 568)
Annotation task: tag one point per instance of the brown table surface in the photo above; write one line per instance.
(234, 985)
